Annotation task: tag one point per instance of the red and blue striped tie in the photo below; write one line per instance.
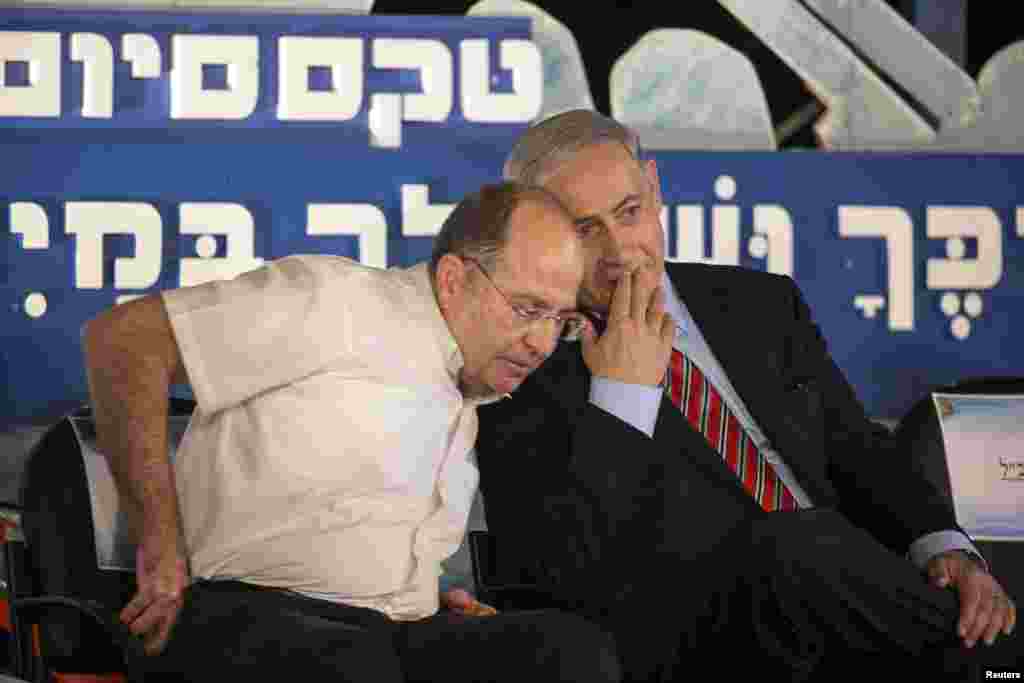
(703, 406)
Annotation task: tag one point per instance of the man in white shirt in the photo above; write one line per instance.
(327, 470)
(703, 457)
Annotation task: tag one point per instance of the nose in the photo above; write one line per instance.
(541, 338)
(616, 240)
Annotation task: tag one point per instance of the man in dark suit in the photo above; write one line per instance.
(698, 476)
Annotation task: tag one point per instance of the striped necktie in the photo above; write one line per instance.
(703, 406)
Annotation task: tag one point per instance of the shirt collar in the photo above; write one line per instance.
(675, 307)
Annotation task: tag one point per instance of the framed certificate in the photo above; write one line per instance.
(984, 442)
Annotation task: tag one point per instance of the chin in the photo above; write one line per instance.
(506, 387)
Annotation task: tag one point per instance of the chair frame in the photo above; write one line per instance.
(31, 610)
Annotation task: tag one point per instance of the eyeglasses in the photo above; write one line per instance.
(569, 323)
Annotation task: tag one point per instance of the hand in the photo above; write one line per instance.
(461, 601)
(985, 608)
(637, 343)
(161, 573)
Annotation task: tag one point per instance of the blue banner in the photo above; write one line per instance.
(141, 151)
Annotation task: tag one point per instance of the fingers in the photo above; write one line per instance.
(457, 598)
(656, 309)
(149, 603)
(644, 289)
(635, 296)
(153, 624)
(462, 601)
(637, 344)
(588, 337)
(484, 610)
(986, 611)
(153, 610)
(621, 299)
(996, 622)
(153, 616)
(974, 626)
(155, 643)
(1001, 618)
(136, 606)
(970, 608)
(477, 609)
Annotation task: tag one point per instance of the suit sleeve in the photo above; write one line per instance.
(880, 486)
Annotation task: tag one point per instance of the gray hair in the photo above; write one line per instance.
(478, 226)
(554, 140)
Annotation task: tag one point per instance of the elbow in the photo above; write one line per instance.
(102, 343)
(135, 336)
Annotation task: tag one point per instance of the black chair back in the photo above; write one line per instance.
(67, 547)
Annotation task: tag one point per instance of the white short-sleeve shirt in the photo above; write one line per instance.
(330, 452)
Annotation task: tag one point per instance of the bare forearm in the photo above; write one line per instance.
(131, 361)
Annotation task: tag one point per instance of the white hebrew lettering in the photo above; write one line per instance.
(143, 52)
(434, 62)
(41, 95)
(35, 305)
(478, 102)
(1012, 470)
(97, 57)
(365, 220)
(385, 117)
(955, 223)
(91, 221)
(297, 55)
(775, 223)
(725, 247)
(387, 111)
(894, 225)
(869, 304)
(420, 218)
(29, 220)
(216, 218)
(240, 56)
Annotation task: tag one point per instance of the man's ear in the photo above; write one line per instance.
(451, 275)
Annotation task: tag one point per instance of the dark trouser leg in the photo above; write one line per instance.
(815, 587)
(233, 631)
(512, 647)
(229, 631)
(777, 597)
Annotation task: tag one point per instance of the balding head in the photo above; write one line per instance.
(547, 144)
(478, 227)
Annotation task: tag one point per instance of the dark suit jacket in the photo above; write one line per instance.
(605, 517)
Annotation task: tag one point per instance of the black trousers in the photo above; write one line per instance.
(799, 596)
(232, 631)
